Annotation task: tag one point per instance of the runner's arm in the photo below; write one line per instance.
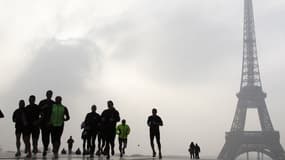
(66, 114)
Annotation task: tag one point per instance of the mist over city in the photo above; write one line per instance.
(183, 58)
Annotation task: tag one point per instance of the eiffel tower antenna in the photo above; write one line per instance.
(250, 68)
(251, 95)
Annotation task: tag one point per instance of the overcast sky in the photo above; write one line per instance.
(182, 57)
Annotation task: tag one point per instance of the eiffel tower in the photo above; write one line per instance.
(251, 96)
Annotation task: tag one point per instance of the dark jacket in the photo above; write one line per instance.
(109, 118)
(33, 114)
(45, 111)
(154, 122)
(20, 118)
(92, 121)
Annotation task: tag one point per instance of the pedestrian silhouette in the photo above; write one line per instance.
(59, 114)
(197, 151)
(1, 114)
(192, 150)
(123, 130)
(70, 142)
(109, 117)
(33, 117)
(21, 124)
(92, 122)
(154, 121)
(45, 114)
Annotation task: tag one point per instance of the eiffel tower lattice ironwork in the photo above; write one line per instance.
(251, 95)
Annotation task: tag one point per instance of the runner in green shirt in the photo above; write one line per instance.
(123, 130)
(59, 114)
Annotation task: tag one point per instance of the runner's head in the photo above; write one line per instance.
(110, 104)
(124, 121)
(154, 111)
(32, 99)
(93, 108)
(49, 94)
(58, 100)
(21, 104)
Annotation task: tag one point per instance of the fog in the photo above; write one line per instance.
(182, 57)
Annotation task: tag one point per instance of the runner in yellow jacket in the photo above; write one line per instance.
(123, 130)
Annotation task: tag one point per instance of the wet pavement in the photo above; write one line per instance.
(10, 155)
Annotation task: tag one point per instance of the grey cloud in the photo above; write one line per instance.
(175, 45)
(62, 66)
(183, 43)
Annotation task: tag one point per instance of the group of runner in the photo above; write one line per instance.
(102, 126)
(49, 117)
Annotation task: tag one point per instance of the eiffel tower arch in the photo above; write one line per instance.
(251, 95)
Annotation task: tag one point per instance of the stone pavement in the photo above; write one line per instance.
(10, 155)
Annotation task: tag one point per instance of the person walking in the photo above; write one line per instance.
(197, 151)
(33, 117)
(59, 114)
(45, 114)
(109, 118)
(154, 122)
(191, 150)
(123, 130)
(92, 122)
(21, 123)
(70, 142)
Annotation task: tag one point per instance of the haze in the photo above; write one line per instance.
(182, 57)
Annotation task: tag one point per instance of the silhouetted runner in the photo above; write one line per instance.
(1, 114)
(21, 123)
(109, 119)
(45, 113)
(92, 122)
(154, 121)
(59, 114)
(123, 130)
(33, 113)
(191, 150)
(70, 142)
(197, 151)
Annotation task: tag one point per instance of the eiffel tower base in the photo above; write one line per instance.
(265, 142)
